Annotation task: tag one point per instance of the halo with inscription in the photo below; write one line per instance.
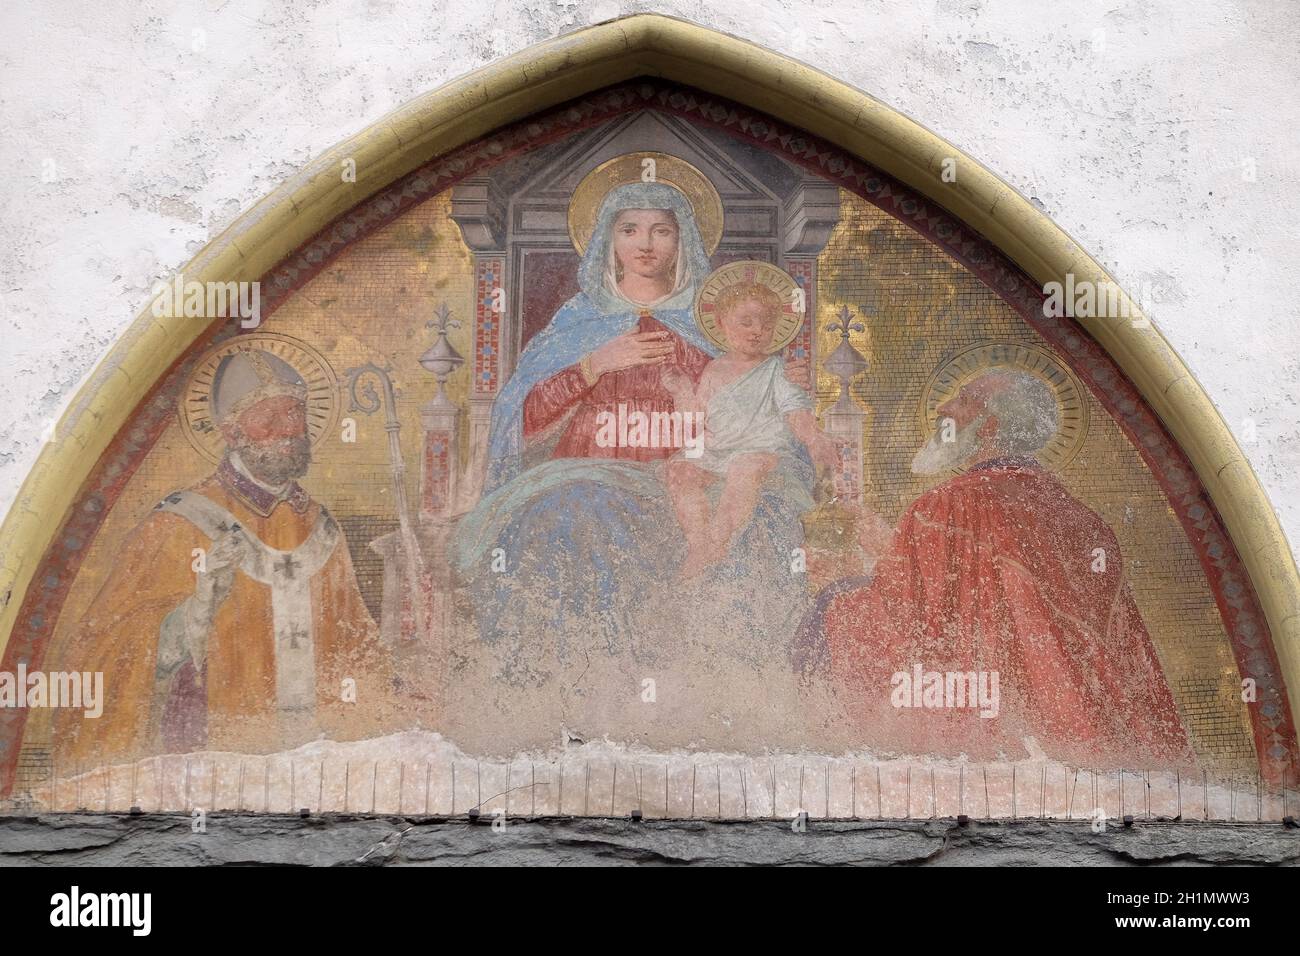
(195, 406)
(704, 200)
(764, 273)
(1071, 400)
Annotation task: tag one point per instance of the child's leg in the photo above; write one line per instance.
(686, 485)
(739, 498)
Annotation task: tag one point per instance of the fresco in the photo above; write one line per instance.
(633, 459)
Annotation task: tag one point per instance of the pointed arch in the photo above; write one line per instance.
(558, 71)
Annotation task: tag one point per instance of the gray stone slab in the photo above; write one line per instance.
(253, 840)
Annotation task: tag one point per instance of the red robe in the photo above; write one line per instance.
(996, 570)
(638, 388)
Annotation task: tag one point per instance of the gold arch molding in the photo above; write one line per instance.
(578, 63)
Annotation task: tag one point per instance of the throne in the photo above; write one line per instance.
(514, 221)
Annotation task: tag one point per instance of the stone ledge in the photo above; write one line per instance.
(88, 839)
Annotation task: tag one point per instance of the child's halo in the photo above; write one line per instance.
(793, 297)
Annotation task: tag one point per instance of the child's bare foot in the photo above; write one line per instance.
(696, 560)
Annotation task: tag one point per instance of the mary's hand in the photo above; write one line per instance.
(631, 349)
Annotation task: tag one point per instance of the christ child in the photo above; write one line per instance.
(753, 419)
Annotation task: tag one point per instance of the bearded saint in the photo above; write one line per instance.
(232, 618)
(1001, 570)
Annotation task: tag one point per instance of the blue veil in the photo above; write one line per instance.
(596, 315)
(586, 541)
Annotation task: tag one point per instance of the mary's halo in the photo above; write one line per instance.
(706, 204)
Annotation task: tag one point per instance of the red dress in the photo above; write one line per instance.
(638, 388)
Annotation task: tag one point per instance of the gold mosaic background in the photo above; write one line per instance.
(372, 305)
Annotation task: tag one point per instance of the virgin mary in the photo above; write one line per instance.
(572, 540)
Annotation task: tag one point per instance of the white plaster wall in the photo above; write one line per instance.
(135, 132)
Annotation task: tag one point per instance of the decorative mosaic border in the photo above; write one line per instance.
(1244, 621)
(801, 270)
(487, 326)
